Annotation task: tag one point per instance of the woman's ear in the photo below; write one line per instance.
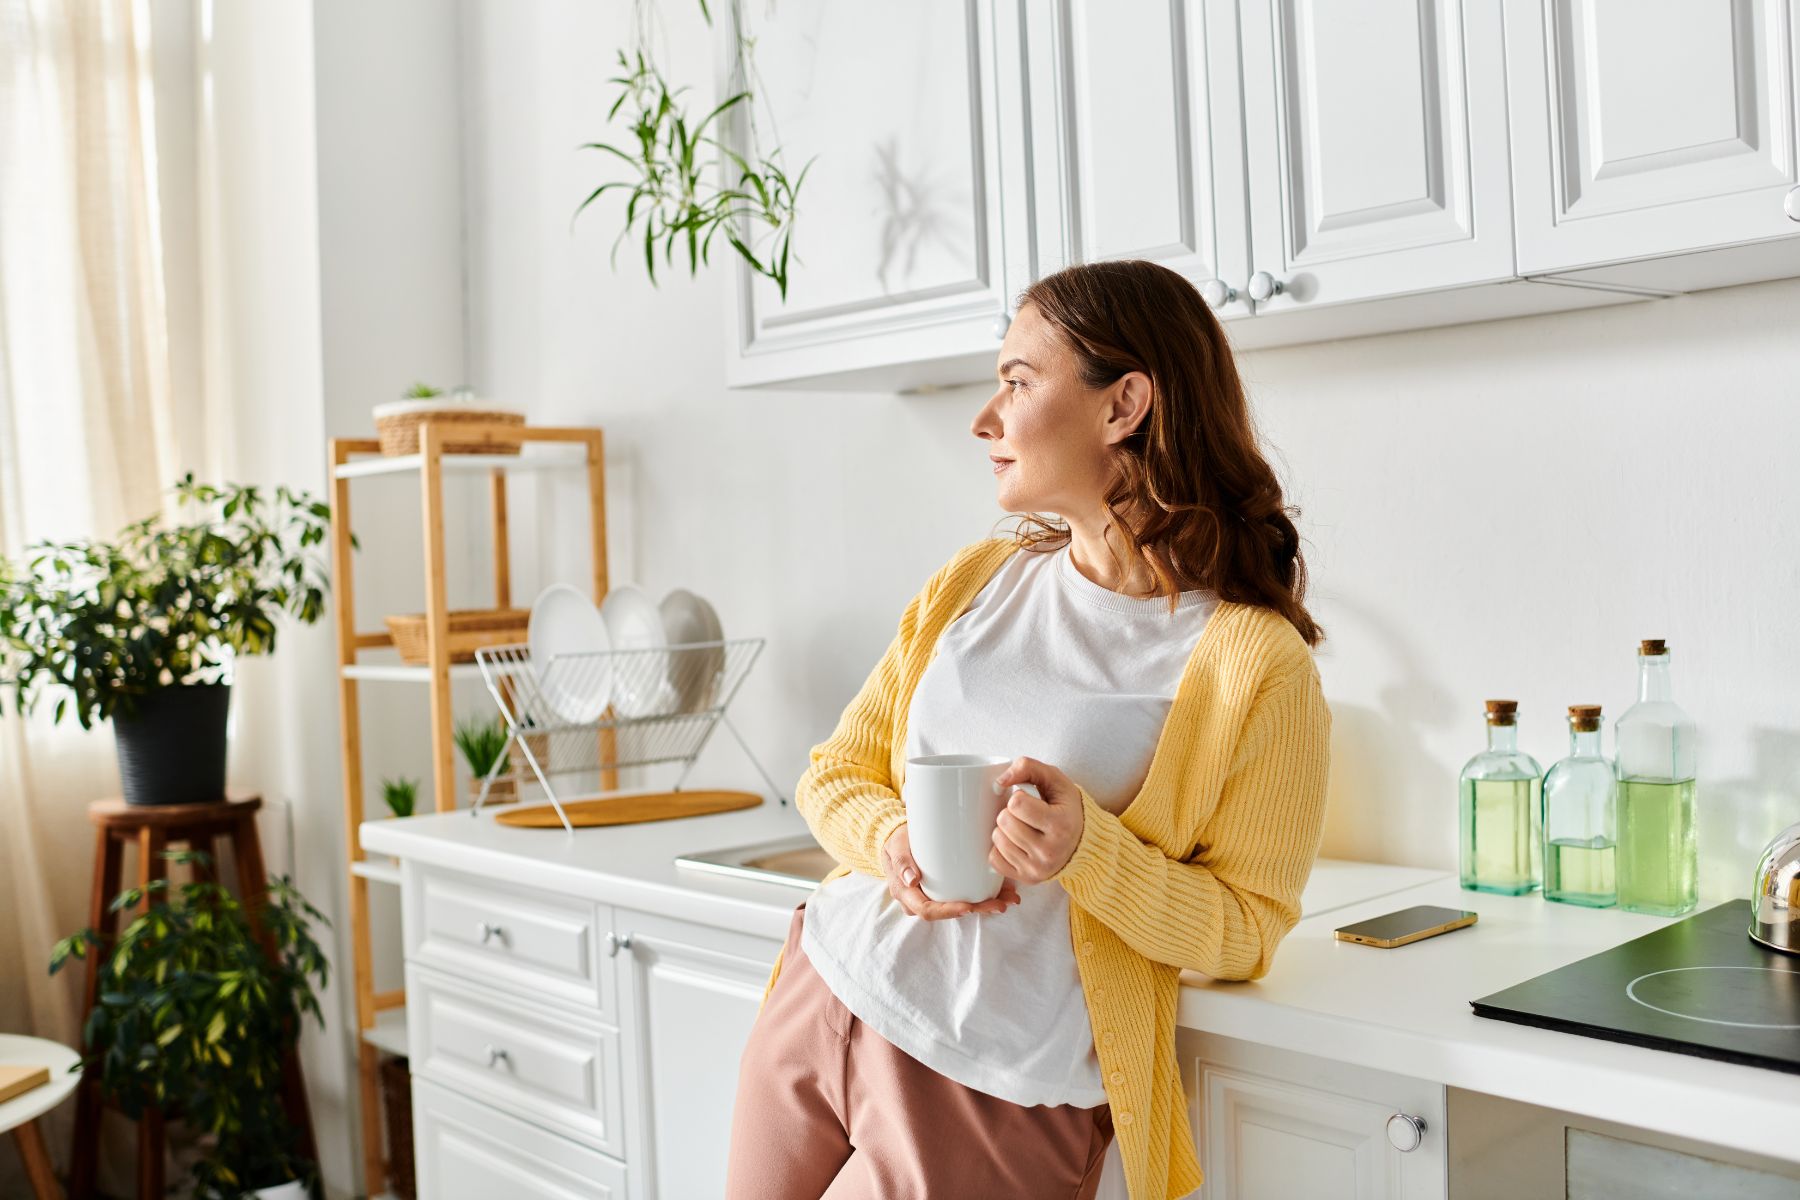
(1128, 406)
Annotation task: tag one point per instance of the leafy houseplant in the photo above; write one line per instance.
(400, 795)
(484, 743)
(195, 1018)
(671, 195)
(142, 630)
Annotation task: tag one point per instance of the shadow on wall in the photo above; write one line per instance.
(1382, 776)
(1736, 818)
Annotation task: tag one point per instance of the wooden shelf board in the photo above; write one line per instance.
(389, 1032)
(550, 459)
(405, 672)
(379, 872)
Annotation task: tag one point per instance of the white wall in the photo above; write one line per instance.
(1493, 510)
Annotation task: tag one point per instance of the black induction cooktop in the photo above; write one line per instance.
(1697, 986)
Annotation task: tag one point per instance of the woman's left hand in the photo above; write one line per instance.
(1034, 839)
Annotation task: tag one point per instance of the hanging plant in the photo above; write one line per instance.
(670, 200)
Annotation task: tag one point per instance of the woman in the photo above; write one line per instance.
(1155, 648)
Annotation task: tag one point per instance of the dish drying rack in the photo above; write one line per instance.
(662, 705)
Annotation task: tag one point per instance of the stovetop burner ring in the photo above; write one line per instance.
(1631, 991)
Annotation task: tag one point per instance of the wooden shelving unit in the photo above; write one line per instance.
(381, 1016)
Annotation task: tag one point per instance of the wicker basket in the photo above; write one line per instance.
(470, 629)
(398, 426)
(396, 1102)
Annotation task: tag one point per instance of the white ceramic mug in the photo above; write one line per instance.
(951, 807)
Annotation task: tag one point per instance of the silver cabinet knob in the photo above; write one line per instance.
(1791, 204)
(615, 943)
(1263, 285)
(1002, 323)
(1217, 293)
(488, 932)
(1405, 1132)
(496, 1055)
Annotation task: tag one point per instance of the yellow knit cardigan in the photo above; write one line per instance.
(1203, 870)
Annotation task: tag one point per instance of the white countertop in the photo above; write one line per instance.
(634, 865)
(1406, 1010)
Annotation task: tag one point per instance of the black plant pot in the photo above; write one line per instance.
(172, 751)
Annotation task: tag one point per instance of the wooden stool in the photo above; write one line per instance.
(153, 828)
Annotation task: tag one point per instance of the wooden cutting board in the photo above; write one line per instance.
(16, 1081)
(628, 810)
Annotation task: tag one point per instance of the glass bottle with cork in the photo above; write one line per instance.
(1500, 820)
(1658, 860)
(1580, 818)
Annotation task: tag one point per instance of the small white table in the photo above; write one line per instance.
(20, 1114)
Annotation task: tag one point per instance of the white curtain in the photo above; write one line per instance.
(86, 426)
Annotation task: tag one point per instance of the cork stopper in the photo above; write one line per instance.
(1652, 647)
(1502, 712)
(1584, 718)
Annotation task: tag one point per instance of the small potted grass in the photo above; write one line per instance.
(483, 743)
(400, 795)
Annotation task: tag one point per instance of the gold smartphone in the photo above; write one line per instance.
(1406, 925)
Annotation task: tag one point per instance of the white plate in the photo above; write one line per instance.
(641, 686)
(564, 622)
(689, 618)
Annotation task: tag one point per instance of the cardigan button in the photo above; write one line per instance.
(1087, 947)
(1125, 1118)
(1117, 1077)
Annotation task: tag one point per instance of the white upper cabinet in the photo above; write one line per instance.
(1126, 96)
(1318, 168)
(1375, 135)
(899, 246)
(1645, 128)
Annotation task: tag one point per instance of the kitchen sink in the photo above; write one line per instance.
(796, 861)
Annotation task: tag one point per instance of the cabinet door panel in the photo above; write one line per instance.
(1127, 100)
(463, 1150)
(1648, 127)
(1377, 147)
(897, 249)
(1272, 1124)
(692, 998)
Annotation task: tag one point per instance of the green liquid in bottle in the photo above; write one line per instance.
(1580, 872)
(1497, 835)
(1657, 849)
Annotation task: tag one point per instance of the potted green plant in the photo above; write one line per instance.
(483, 743)
(400, 795)
(142, 630)
(193, 1017)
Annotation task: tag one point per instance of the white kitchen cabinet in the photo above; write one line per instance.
(909, 240)
(1271, 1124)
(689, 995)
(463, 1150)
(1376, 148)
(1318, 170)
(1136, 138)
(1654, 141)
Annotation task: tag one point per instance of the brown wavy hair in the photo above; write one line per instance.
(1193, 498)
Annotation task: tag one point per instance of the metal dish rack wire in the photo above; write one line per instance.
(579, 714)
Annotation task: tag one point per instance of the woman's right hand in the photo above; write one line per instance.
(903, 885)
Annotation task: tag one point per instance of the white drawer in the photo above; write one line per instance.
(555, 1067)
(533, 942)
(463, 1150)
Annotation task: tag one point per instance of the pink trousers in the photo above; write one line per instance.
(828, 1109)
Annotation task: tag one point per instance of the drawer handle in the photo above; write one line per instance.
(488, 931)
(1405, 1132)
(497, 1055)
(615, 943)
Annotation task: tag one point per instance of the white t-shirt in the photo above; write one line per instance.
(1044, 663)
